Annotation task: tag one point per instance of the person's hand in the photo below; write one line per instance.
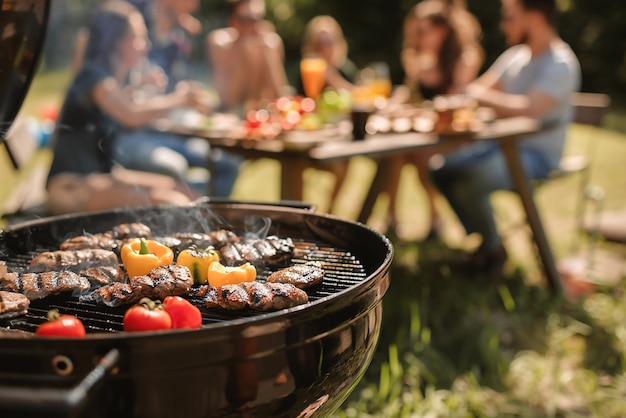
(155, 77)
(193, 95)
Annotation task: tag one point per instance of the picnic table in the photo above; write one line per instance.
(295, 159)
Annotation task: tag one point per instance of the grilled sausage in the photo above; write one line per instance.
(172, 280)
(73, 260)
(249, 295)
(300, 275)
(13, 304)
(40, 285)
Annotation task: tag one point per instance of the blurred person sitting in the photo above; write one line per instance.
(535, 77)
(170, 26)
(83, 176)
(441, 54)
(323, 37)
(247, 58)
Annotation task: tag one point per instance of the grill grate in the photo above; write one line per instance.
(342, 271)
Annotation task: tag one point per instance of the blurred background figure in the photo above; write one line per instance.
(171, 27)
(323, 38)
(247, 58)
(535, 77)
(441, 54)
(83, 176)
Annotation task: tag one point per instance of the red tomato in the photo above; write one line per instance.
(182, 312)
(147, 315)
(61, 326)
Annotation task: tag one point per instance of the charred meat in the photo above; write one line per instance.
(269, 251)
(249, 295)
(81, 242)
(40, 285)
(214, 239)
(100, 276)
(13, 304)
(110, 240)
(73, 260)
(171, 280)
(131, 230)
(300, 275)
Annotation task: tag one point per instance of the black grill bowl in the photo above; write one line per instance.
(297, 362)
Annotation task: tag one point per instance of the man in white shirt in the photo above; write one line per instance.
(535, 77)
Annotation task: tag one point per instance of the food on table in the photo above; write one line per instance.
(39, 285)
(171, 280)
(182, 313)
(147, 315)
(13, 304)
(249, 295)
(198, 262)
(73, 260)
(219, 275)
(300, 275)
(61, 326)
(141, 256)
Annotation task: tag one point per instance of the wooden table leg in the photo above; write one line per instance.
(511, 153)
(379, 185)
(291, 181)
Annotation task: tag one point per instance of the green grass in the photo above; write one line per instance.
(454, 345)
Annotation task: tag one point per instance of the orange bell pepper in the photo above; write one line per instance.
(219, 275)
(141, 256)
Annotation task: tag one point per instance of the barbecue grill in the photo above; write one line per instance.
(297, 362)
(302, 361)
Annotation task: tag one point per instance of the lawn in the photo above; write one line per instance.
(454, 345)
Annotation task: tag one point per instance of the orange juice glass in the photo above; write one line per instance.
(313, 71)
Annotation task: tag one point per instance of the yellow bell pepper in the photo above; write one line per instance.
(141, 256)
(198, 262)
(220, 275)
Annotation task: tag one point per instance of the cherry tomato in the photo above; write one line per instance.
(61, 326)
(182, 312)
(147, 315)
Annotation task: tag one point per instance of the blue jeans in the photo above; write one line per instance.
(168, 154)
(469, 175)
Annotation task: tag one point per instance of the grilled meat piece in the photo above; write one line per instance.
(131, 230)
(214, 239)
(174, 243)
(300, 275)
(205, 295)
(230, 255)
(172, 280)
(115, 294)
(73, 260)
(110, 240)
(163, 281)
(40, 285)
(100, 276)
(249, 295)
(13, 304)
(81, 242)
(268, 251)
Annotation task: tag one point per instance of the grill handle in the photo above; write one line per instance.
(59, 401)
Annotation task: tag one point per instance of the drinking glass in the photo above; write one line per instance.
(376, 77)
(313, 72)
